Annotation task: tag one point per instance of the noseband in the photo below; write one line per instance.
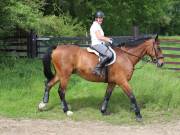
(156, 54)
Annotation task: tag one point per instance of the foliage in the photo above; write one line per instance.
(53, 17)
(63, 25)
(174, 12)
(121, 15)
(28, 15)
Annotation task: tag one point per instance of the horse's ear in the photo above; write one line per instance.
(156, 38)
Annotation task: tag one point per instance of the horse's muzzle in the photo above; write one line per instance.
(160, 62)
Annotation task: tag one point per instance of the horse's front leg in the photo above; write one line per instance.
(128, 91)
(135, 107)
(107, 96)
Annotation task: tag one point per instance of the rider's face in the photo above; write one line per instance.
(99, 20)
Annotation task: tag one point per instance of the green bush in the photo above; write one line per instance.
(62, 25)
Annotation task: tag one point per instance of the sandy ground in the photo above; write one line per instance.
(52, 127)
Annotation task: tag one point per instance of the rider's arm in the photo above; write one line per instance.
(101, 37)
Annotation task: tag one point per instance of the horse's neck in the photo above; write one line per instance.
(136, 53)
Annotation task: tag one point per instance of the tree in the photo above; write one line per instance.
(50, 16)
(29, 15)
(174, 26)
(121, 15)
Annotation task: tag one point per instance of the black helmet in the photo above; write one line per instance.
(99, 14)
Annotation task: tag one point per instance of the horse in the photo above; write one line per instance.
(70, 59)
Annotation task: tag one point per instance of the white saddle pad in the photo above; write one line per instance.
(95, 52)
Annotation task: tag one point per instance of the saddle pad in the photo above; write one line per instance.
(95, 52)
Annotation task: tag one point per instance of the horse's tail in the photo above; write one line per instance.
(47, 63)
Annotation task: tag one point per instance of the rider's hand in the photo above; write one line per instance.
(111, 41)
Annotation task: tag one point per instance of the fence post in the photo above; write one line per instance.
(28, 44)
(86, 38)
(32, 45)
(136, 31)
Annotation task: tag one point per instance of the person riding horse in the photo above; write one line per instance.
(98, 42)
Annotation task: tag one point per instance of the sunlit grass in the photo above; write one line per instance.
(170, 37)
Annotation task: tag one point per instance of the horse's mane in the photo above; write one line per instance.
(132, 42)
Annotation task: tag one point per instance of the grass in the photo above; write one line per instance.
(22, 85)
(170, 37)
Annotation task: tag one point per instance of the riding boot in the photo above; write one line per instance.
(100, 65)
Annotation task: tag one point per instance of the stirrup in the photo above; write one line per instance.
(97, 71)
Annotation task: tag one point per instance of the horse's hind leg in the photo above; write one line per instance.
(107, 96)
(48, 86)
(62, 91)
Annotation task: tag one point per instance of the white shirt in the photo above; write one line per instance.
(94, 28)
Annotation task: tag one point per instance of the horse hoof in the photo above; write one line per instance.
(42, 106)
(69, 113)
(106, 113)
(139, 118)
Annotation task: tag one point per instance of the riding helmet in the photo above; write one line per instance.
(99, 14)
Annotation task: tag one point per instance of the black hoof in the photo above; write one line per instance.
(106, 113)
(139, 118)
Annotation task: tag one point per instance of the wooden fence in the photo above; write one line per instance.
(20, 44)
(170, 55)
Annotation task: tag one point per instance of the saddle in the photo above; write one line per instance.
(110, 62)
(104, 70)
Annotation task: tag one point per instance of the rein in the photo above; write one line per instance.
(142, 58)
(134, 55)
(157, 58)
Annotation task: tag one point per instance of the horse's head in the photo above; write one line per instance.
(155, 52)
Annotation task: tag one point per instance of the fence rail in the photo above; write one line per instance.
(171, 48)
(176, 63)
(172, 55)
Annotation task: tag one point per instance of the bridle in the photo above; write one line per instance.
(155, 51)
(130, 53)
(156, 54)
(142, 58)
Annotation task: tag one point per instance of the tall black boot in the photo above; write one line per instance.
(100, 65)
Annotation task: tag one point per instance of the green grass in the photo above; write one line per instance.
(170, 37)
(22, 87)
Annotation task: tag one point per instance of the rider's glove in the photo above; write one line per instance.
(111, 41)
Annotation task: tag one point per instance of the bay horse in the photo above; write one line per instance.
(69, 59)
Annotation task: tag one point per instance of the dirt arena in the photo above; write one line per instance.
(53, 127)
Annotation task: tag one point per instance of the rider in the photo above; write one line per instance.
(98, 41)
